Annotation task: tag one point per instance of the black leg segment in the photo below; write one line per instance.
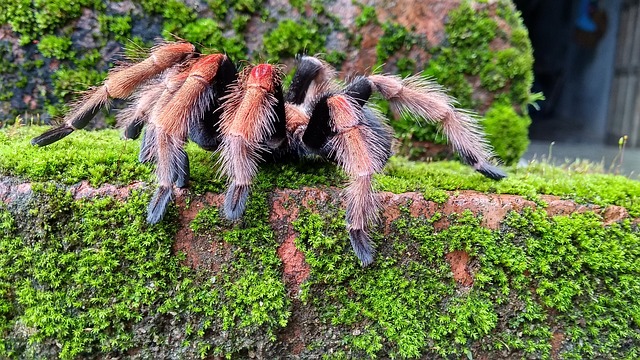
(307, 70)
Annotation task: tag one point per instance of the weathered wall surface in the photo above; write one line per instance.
(539, 265)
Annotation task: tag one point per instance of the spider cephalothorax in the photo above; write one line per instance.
(246, 117)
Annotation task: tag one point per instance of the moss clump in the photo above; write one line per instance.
(395, 38)
(33, 19)
(535, 276)
(94, 278)
(209, 34)
(118, 26)
(291, 38)
(52, 46)
(507, 132)
(73, 159)
(532, 181)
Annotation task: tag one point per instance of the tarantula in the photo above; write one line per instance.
(247, 117)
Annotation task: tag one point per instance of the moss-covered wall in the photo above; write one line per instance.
(88, 278)
(51, 50)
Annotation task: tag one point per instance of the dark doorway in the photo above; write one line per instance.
(573, 67)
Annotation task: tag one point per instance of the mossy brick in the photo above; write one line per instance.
(93, 277)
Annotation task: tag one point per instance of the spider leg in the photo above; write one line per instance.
(171, 124)
(252, 125)
(359, 141)
(134, 130)
(133, 117)
(147, 102)
(205, 131)
(120, 84)
(418, 96)
(147, 152)
(308, 81)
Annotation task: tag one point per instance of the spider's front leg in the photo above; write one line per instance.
(358, 140)
(120, 84)
(170, 121)
(252, 125)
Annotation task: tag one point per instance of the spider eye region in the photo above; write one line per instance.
(264, 76)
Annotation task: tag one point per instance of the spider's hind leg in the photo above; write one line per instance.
(420, 97)
(354, 136)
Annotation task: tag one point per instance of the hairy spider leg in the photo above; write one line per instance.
(309, 80)
(252, 125)
(354, 136)
(171, 128)
(417, 96)
(155, 93)
(205, 130)
(152, 100)
(120, 84)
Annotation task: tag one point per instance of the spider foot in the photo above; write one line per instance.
(235, 201)
(133, 130)
(491, 171)
(159, 204)
(361, 244)
(51, 136)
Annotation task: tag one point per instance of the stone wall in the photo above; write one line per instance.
(543, 264)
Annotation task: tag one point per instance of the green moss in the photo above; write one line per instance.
(118, 277)
(533, 274)
(507, 131)
(291, 38)
(71, 160)
(52, 46)
(209, 34)
(72, 281)
(395, 38)
(505, 74)
(367, 16)
(219, 8)
(33, 19)
(118, 26)
(79, 286)
(532, 181)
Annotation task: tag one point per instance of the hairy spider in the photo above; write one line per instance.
(247, 117)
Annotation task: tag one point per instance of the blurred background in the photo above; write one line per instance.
(587, 65)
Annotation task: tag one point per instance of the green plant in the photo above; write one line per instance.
(291, 38)
(395, 38)
(208, 34)
(118, 26)
(52, 46)
(507, 131)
